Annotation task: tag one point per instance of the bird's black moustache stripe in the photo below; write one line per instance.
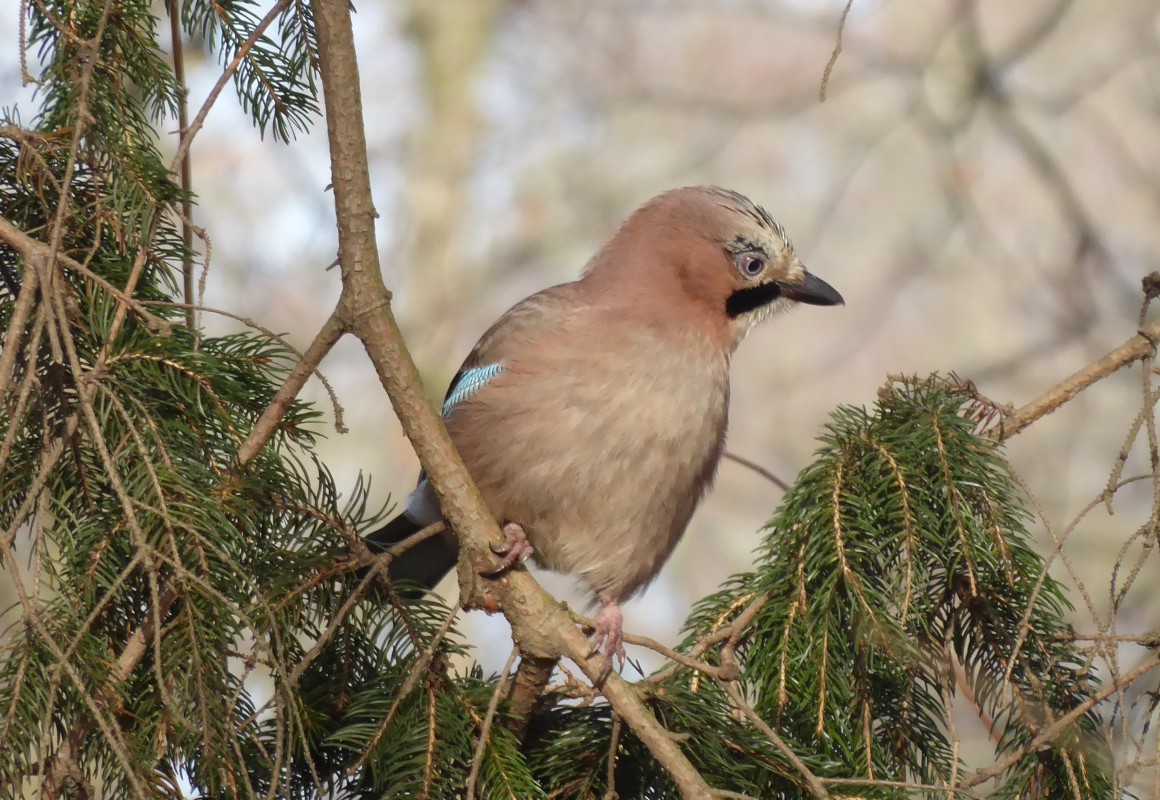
(745, 300)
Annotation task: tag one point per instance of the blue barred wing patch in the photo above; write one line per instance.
(470, 381)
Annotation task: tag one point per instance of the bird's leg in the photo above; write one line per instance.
(609, 633)
(515, 550)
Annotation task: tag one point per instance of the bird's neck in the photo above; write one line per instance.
(671, 309)
(688, 326)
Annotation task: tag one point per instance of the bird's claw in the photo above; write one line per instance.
(515, 550)
(609, 633)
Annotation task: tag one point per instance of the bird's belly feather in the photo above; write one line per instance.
(603, 474)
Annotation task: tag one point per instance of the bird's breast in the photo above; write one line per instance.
(602, 455)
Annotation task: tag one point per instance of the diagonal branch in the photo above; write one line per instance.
(815, 786)
(1061, 725)
(190, 131)
(1130, 351)
(36, 252)
(540, 625)
(327, 337)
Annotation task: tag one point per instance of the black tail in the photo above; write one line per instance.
(424, 564)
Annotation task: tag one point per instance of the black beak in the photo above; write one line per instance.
(811, 290)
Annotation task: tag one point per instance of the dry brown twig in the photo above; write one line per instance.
(613, 749)
(834, 55)
(178, 46)
(1134, 349)
(733, 632)
(574, 688)
(485, 729)
(190, 131)
(755, 467)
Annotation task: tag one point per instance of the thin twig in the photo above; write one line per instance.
(223, 79)
(29, 284)
(186, 166)
(718, 634)
(339, 413)
(1060, 725)
(418, 669)
(834, 55)
(760, 470)
(1132, 350)
(914, 787)
(718, 673)
(733, 689)
(613, 748)
(485, 731)
(324, 341)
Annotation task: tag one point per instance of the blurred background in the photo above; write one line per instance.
(982, 184)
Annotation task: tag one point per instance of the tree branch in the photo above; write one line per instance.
(811, 780)
(540, 625)
(326, 338)
(33, 251)
(1132, 350)
(531, 678)
(190, 131)
(1060, 725)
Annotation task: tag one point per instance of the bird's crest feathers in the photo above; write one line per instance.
(740, 203)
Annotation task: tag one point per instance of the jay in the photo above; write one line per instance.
(592, 415)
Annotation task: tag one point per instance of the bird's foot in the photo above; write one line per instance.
(609, 633)
(515, 550)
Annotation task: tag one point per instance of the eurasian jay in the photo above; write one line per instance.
(592, 415)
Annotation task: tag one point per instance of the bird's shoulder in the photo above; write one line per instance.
(527, 323)
(523, 327)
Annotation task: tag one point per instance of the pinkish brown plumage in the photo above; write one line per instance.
(592, 415)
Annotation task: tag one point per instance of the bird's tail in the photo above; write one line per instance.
(424, 564)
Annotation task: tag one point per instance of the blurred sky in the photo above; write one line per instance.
(982, 185)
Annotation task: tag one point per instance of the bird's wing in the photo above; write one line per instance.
(524, 325)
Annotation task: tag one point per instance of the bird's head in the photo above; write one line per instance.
(717, 254)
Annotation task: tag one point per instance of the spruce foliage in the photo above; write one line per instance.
(899, 558)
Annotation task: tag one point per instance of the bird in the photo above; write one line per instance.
(592, 415)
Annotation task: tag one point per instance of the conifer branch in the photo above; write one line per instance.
(324, 341)
(189, 132)
(36, 252)
(249, 322)
(815, 786)
(485, 728)
(1061, 725)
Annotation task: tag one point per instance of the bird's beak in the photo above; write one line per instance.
(811, 290)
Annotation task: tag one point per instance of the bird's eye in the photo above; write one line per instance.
(750, 264)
